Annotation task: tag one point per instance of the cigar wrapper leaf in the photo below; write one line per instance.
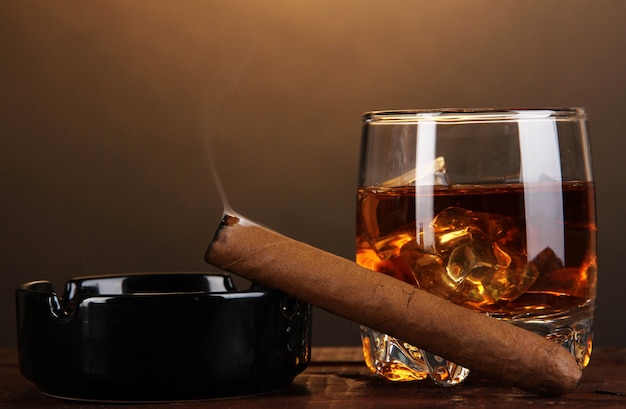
(492, 348)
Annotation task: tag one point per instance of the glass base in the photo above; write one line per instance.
(397, 360)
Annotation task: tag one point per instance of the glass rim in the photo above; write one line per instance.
(472, 115)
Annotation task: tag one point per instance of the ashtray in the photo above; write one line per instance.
(159, 337)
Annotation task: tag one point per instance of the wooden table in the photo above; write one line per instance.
(337, 378)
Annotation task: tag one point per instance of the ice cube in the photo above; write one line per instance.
(432, 173)
(428, 269)
(478, 259)
(452, 228)
(474, 267)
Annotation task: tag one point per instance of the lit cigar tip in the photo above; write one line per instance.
(229, 220)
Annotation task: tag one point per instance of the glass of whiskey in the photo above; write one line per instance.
(491, 209)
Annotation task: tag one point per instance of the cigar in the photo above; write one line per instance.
(495, 349)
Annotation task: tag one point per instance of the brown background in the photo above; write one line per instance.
(104, 107)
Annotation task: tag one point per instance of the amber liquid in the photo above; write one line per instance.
(524, 253)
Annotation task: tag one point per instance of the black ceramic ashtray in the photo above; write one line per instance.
(159, 337)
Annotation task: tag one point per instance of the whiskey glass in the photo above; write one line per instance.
(491, 209)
